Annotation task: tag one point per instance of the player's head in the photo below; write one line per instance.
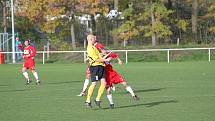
(27, 42)
(91, 39)
(94, 40)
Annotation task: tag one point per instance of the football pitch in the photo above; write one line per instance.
(178, 91)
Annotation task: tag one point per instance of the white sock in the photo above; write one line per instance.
(86, 83)
(130, 90)
(110, 98)
(25, 74)
(36, 76)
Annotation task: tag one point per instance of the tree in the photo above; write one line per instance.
(128, 29)
(4, 5)
(211, 15)
(70, 11)
(182, 25)
(93, 7)
(158, 29)
(194, 19)
(46, 14)
(149, 20)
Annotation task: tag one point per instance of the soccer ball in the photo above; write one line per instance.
(113, 14)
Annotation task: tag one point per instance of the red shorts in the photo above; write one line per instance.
(29, 64)
(112, 77)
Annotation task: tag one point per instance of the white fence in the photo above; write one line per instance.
(127, 52)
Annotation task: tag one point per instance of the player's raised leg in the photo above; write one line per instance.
(86, 83)
(118, 79)
(130, 90)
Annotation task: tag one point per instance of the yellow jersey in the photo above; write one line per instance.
(93, 56)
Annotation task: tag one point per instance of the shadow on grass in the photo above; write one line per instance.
(144, 90)
(63, 82)
(4, 85)
(16, 90)
(160, 102)
(148, 90)
(145, 104)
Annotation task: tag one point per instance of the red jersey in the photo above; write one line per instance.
(99, 46)
(29, 53)
(112, 77)
(113, 55)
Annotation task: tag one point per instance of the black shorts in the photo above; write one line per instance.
(97, 73)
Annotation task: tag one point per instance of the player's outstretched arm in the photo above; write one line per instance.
(119, 61)
(104, 59)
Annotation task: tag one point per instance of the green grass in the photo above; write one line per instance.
(179, 91)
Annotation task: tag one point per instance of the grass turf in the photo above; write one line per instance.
(179, 91)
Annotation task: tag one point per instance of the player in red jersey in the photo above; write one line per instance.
(28, 55)
(112, 77)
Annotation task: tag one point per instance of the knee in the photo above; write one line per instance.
(23, 70)
(125, 84)
(33, 71)
(88, 76)
(108, 91)
(93, 83)
(103, 81)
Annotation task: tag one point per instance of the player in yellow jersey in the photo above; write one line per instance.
(97, 71)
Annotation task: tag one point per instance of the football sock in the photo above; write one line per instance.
(100, 91)
(110, 98)
(86, 83)
(36, 76)
(129, 89)
(90, 92)
(25, 74)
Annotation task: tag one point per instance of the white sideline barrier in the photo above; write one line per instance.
(126, 52)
